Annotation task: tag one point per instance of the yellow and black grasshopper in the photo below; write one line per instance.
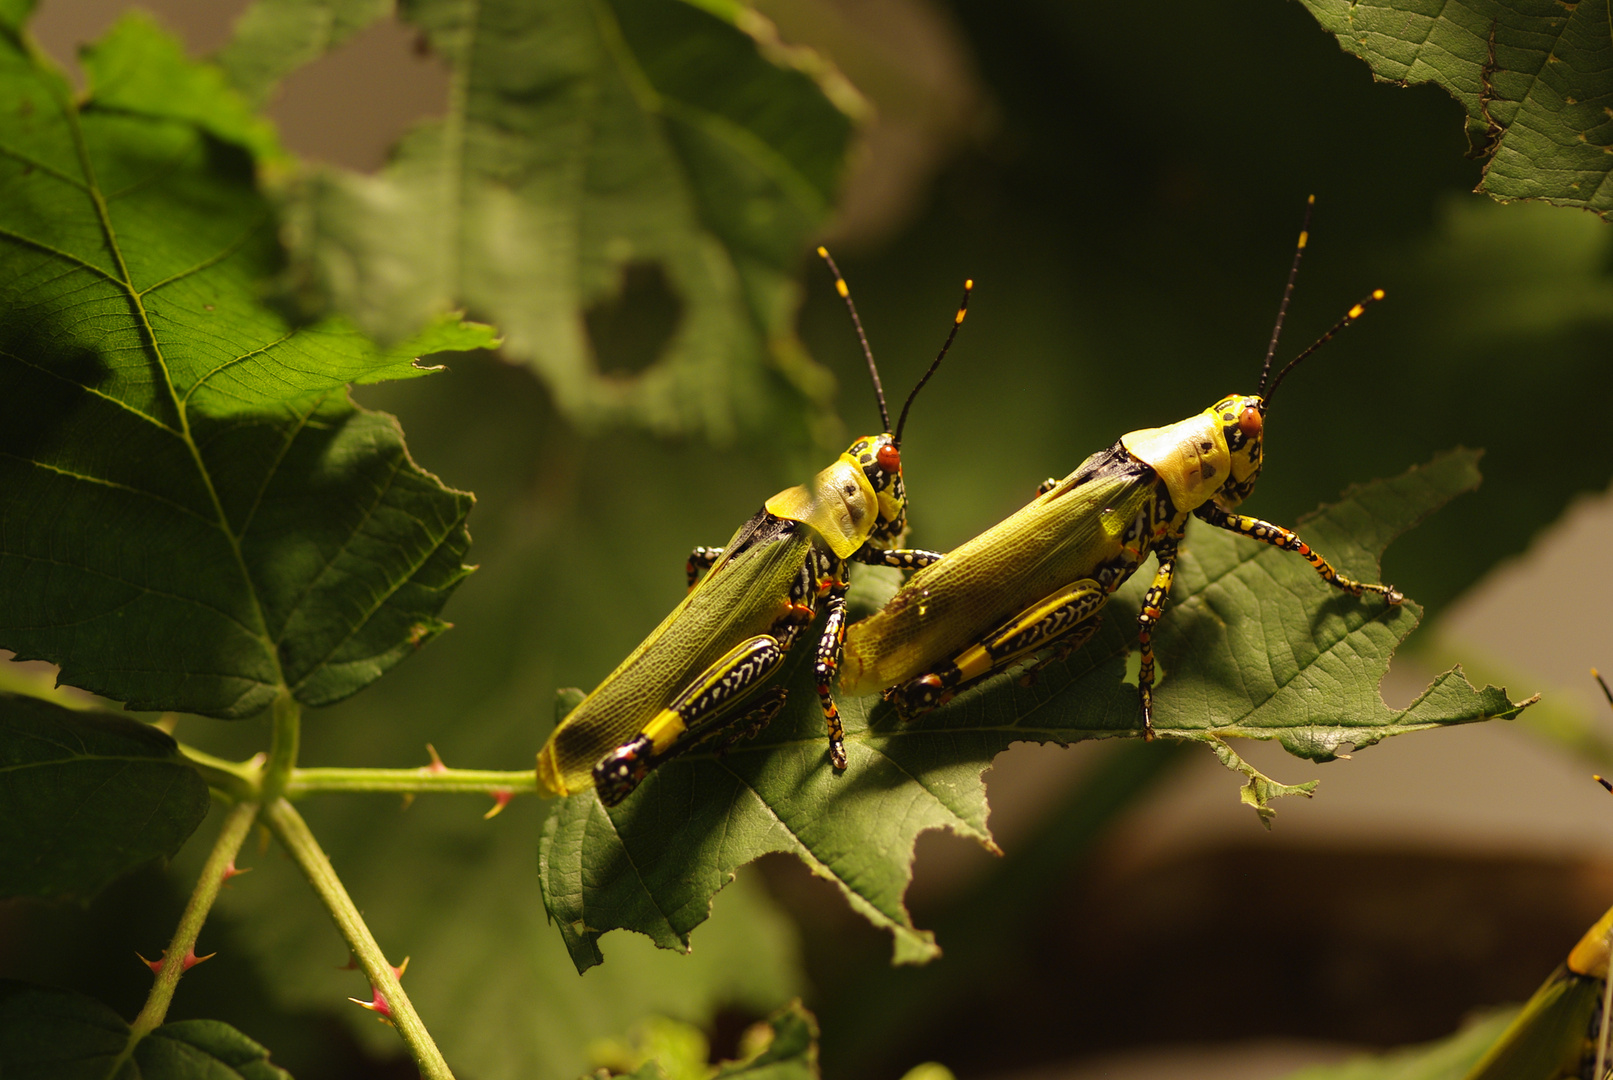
(1561, 1033)
(691, 682)
(1038, 579)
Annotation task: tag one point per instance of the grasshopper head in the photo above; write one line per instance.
(881, 463)
(1243, 419)
(857, 500)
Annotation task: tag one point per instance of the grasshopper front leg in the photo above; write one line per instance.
(701, 559)
(1277, 536)
(1148, 618)
(828, 663)
(896, 558)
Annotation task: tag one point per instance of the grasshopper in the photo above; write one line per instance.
(694, 680)
(1039, 579)
(1561, 1034)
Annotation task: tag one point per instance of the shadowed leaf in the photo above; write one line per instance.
(85, 797)
(193, 515)
(1539, 95)
(48, 1034)
(587, 146)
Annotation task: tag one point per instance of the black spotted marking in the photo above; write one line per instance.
(827, 664)
(701, 559)
(1055, 624)
(622, 770)
(897, 558)
(1153, 609)
(1062, 648)
(920, 695)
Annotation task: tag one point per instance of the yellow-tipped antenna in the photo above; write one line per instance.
(845, 294)
(1288, 292)
(957, 321)
(1349, 317)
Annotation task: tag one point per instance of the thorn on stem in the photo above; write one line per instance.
(501, 799)
(231, 870)
(190, 961)
(436, 765)
(378, 1003)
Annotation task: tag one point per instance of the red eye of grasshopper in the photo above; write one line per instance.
(889, 458)
(1249, 421)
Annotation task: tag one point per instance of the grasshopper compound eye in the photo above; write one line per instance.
(1250, 421)
(889, 458)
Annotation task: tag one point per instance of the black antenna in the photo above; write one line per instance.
(1597, 675)
(1349, 317)
(1288, 293)
(845, 294)
(957, 321)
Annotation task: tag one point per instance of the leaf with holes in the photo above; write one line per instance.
(193, 515)
(1536, 79)
(85, 797)
(1253, 645)
(589, 148)
(52, 1033)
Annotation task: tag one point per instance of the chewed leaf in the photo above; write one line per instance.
(193, 515)
(1533, 77)
(633, 153)
(1257, 646)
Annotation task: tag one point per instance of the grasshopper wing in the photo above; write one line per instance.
(1060, 537)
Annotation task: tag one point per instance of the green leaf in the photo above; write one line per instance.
(273, 38)
(1447, 1059)
(85, 797)
(790, 1050)
(783, 1047)
(48, 1034)
(590, 146)
(193, 515)
(1254, 646)
(1536, 79)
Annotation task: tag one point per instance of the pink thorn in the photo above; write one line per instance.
(233, 871)
(378, 1003)
(501, 799)
(190, 961)
(436, 765)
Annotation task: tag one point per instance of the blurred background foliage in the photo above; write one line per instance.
(1124, 183)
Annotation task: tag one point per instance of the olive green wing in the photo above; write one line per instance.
(1058, 538)
(743, 595)
(1551, 1037)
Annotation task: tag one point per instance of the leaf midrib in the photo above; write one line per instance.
(180, 404)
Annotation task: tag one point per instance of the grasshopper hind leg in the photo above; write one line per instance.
(1063, 621)
(621, 771)
(703, 708)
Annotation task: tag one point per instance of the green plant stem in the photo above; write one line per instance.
(293, 833)
(425, 778)
(236, 780)
(236, 826)
(283, 750)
